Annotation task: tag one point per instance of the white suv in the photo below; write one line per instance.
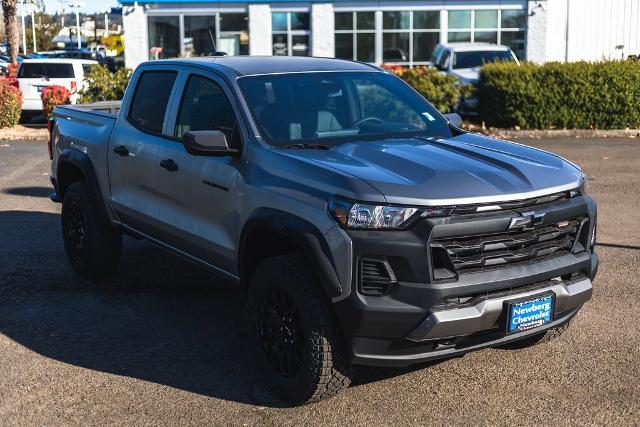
(36, 74)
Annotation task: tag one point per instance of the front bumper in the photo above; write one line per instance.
(487, 313)
(423, 318)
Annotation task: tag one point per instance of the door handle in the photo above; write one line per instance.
(169, 165)
(121, 151)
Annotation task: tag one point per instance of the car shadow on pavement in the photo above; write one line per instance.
(158, 318)
(29, 191)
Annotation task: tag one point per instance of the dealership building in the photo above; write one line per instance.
(384, 31)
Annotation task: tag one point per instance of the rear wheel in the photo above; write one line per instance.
(92, 247)
(296, 341)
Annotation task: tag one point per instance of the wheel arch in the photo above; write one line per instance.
(271, 232)
(76, 166)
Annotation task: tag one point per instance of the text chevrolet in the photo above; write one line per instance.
(365, 227)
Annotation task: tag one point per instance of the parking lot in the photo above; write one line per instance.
(163, 342)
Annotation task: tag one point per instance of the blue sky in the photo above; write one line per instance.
(90, 6)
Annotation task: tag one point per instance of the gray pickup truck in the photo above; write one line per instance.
(365, 227)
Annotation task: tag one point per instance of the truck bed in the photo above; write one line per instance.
(85, 128)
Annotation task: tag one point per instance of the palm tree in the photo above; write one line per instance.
(9, 8)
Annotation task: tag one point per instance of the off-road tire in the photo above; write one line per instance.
(325, 368)
(546, 336)
(100, 245)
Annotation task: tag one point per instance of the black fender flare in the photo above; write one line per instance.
(304, 234)
(83, 163)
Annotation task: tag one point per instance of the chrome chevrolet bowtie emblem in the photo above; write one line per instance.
(527, 221)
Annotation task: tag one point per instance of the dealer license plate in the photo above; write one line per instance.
(530, 313)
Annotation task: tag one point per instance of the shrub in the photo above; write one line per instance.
(442, 90)
(103, 85)
(52, 96)
(10, 103)
(602, 95)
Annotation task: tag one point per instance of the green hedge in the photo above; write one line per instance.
(601, 95)
(442, 90)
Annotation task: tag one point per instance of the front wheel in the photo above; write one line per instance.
(296, 341)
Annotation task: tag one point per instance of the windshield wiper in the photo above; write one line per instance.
(307, 146)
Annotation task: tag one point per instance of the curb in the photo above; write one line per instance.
(559, 133)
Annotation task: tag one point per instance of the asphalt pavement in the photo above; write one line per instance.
(163, 342)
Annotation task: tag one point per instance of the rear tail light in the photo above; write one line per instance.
(50, 124)
(15, 83)
(74, 84)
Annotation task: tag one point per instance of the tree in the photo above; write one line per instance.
(9, 11)
(46, 29)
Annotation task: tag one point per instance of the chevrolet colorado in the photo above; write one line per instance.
(365, 227)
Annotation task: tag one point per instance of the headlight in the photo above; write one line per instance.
(582, 188)
(367, 216)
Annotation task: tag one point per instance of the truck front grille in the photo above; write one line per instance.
(467, 254)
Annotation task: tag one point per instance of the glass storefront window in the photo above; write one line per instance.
(486, 19)
(513, 18)
(506, 27)
(459, 19)
(279, 21)
(234, 33)
(429, 20)
(355, 37)
(423, 45)
(366, 47)
(395, 20)
(164, 37)
(366, 20)
(516, 41)
(290, 33)
(199, 36)
(459, 36)
(396, 47)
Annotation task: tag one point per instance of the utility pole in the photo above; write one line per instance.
(77, 6)
(106, 23)
(33, 29)
(24, 32)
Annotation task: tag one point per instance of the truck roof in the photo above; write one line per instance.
(253, 65)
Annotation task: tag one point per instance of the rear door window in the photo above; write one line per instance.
(150, 100)
(37, 70)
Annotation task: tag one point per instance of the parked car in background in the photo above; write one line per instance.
(36, 74)
(464, 60)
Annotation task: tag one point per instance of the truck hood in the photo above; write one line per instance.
(466, 169)
(468, 75)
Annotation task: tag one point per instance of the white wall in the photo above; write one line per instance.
(136, 44)
(322, 28)
(595, 28)
(260, 29)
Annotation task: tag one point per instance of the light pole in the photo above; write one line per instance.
(76, 5)
(78, 34)
(106, 22)
(33, 29)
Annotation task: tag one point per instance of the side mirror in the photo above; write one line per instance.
(207, 143)
(454, 119)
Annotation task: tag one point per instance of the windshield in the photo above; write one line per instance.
(333, 108)
(479, 58)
